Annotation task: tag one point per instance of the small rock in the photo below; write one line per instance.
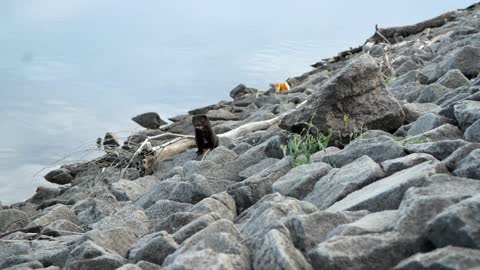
(469, 166)
(398, 164)
(452, 161)
(300, 181)
(11, 219)
(458, 225)
(58, 212)
(43, 194)
(163, 208)
(467, 112)
(150, 120)
(472, 133)
(414, 110)
(153, 248)
(274, 147)
(308, 230)
(241, 90)
(60, 176)
(453, 79)
(61, 227)
(91, 256)
(277, 252)
(427, 122)
(379, 149)
(439, 149)
(257, 167)
(318, 156)
(338, 183)
(193, 227)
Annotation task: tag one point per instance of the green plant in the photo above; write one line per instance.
(356, 133)
(415, 141)
(390, 79)
(306, 145)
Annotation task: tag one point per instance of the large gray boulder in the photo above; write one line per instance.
(458, 225)
(387, 193)
(358, 91)
(469, 166)
(277, 252)
(338, 183)
(363, 252)
(378, 149)
(442, 258)
(222, 204)
(300, 180)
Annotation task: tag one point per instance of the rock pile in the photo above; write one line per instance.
(398, 188)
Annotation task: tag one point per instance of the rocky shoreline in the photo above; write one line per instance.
(385, 174)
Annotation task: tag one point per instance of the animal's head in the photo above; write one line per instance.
(200, 121)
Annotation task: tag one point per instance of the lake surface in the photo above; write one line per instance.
(72, 70)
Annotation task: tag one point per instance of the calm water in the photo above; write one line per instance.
(72, 70)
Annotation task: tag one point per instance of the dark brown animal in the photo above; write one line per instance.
(205, 137)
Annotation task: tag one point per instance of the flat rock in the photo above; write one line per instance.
(163, 208)
(458, 225)
(221, 204)
(118, 239)
(338, 183)
(387, 193)
(443, 258)
(452, 161)
(300, 181)
(193, 227)
(257, 167)
(378, 222)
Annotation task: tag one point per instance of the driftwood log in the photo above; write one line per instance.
(391, 34)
